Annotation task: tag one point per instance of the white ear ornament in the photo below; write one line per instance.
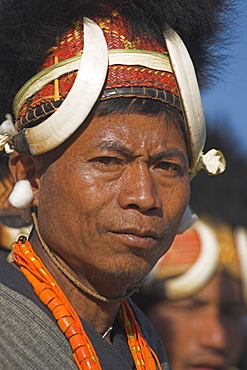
(22, 195)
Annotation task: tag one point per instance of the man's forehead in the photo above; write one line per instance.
(121, 123)
(122, 132)
(222, 288)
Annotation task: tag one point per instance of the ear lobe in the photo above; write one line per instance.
(24, 167)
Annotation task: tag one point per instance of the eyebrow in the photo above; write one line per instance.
(116, 147)
(170, 153)
(231, 302)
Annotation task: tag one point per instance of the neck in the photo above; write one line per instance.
(97, 313)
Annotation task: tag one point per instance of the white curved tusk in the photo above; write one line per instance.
(80, 99)
(189, 93)
(241, 245)
(200, 272)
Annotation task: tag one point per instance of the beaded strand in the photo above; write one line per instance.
(68, 321)
(144, 356)
(53, 297)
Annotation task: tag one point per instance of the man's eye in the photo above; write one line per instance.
(168, 166)
(106, 160)
(187, 307)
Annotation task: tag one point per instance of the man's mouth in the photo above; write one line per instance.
(210, 364)
(207, 367)
(137, 238)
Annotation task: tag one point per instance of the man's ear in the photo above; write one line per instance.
(24, 167)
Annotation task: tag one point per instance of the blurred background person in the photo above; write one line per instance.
(197, 294)
(195, 297)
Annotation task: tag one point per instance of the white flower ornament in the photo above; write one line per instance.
(7, 130)
(213, 162)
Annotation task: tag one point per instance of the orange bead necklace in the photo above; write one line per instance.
(68, 321)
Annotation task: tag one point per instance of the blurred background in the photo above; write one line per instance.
(226, 102)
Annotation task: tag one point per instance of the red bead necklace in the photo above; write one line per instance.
(68, 321)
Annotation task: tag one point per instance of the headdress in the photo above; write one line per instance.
(87, 52)
(196, 256)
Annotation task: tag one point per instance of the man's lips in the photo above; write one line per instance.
(213, 363)
(142, 233)
(207, 367)
(137, 238)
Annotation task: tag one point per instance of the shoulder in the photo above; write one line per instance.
(13, 278)
(29, 339)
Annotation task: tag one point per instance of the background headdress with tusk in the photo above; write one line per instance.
(196, 256)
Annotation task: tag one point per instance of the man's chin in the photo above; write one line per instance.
(131, 281)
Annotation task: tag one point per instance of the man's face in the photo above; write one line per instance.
(203, 332)
(112, 202)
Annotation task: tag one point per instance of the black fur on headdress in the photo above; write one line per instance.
(28, 28)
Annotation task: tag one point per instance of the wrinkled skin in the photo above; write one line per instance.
(203, 332)
(111, 203)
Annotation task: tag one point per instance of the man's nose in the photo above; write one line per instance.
(213, 333)
(139, 189)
